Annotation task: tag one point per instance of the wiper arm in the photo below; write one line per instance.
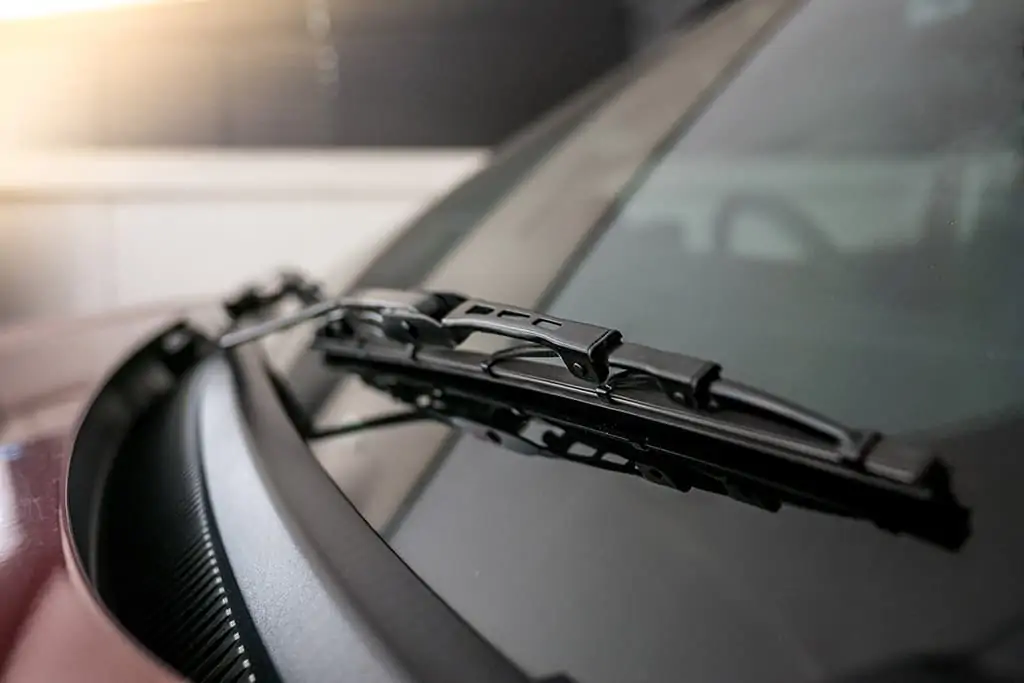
(670, 418)
(256, 299)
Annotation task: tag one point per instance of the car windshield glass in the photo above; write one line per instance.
(843, 224)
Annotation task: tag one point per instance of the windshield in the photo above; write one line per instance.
(843, 224)
(839, 225)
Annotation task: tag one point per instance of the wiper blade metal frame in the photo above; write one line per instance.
(673, 418)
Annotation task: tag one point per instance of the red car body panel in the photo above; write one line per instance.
(52, 628)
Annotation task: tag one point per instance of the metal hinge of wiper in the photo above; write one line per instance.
(259, 298)
(700, 427)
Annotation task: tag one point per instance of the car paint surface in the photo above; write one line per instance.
(52, 628)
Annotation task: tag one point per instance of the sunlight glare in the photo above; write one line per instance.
(37, 9)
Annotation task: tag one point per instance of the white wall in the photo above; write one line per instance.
(84, 232)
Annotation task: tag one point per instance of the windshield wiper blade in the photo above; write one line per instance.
(668, 417)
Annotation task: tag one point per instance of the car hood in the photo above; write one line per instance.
(51, 628)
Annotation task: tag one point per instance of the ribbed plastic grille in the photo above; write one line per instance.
(161, 567)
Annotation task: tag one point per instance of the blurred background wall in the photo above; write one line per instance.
(83, 232)
(300, 73)
(169, 148)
